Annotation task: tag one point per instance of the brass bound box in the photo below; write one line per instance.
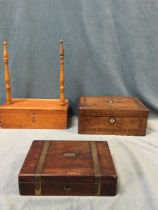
(68, 168)
(112, 115)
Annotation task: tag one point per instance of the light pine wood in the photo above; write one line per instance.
(35, 103)
(6, 73)
(62, 96)
(34, 113)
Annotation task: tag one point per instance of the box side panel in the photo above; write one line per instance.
(26, 188)
(108, 172)
(66, 189)
(112, 125)
(33, 121)
(109, 188)
(48, 189)
(106, 162)
(69, 189)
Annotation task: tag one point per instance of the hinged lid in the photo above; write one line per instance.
(112, 106)
(34, 106)
(67, 162)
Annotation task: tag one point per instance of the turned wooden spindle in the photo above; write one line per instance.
(6, 74)
(62, 96)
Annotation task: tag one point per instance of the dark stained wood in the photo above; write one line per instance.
(68, 168)
(112, 115)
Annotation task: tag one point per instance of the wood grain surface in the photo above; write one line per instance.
(34, 113)
(112, 115)
(69, 166)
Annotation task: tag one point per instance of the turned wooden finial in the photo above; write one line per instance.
(6, 73)
(62, 96)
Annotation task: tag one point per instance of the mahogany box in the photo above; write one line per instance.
(112, 115)
(68, 168)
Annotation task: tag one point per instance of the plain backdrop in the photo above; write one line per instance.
(111, 48)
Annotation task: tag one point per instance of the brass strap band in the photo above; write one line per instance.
(96, 165)
(39, 169)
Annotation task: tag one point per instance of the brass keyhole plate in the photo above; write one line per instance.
(112, 120)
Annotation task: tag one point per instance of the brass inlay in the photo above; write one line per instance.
(96, 165)
(39, 169)
(69, 154)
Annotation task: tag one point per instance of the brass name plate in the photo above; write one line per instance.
(69, 154)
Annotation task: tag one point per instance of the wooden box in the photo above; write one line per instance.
(34, 113)
(112, 115)
(68, 168)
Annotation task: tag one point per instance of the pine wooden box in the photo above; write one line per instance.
(112, 116)
(34, 113)
(68, 168)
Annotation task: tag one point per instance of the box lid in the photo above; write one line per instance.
(122, 106)
(34, 105)
(67, 162)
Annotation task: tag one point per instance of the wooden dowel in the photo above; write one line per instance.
(6, 74)
(62, 96)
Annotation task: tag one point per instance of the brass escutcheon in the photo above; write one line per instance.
(69, 154)
(112, 120)
(110, 101)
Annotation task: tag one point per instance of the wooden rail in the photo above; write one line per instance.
(6, 73)
(62, 96)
